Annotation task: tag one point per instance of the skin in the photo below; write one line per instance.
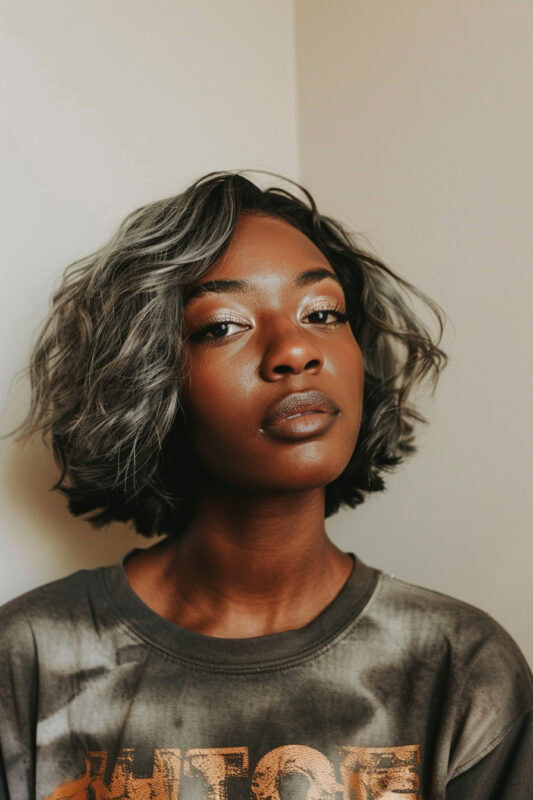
(256, 558)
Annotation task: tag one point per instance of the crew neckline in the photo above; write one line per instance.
(255, 653)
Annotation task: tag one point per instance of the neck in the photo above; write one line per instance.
(245, 566)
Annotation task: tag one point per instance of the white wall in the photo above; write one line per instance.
(416, 125)
(105, 106)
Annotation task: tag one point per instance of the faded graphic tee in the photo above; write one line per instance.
(392, 692)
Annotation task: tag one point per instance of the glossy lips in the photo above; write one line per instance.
(300, 415)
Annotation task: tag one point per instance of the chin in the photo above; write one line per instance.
(281, 468)
(278, 478)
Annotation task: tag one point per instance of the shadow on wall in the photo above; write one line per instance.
(50, 533)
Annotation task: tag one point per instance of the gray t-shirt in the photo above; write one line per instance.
(393, 691)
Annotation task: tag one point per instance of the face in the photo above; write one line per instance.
(279, 334)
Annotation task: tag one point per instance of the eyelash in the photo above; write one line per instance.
(201, 333)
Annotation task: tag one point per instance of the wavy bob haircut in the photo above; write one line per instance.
(106, 370)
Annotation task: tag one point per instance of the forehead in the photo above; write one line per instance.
(265, 245)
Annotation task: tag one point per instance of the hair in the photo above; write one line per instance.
(106, 370)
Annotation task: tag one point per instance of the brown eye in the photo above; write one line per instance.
(215, 331)
(339, 316)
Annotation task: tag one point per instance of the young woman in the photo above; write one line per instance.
(228, 371)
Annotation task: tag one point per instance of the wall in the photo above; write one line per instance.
(108, 106)
(416, 123)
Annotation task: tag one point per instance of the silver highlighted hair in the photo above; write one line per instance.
(106, 371)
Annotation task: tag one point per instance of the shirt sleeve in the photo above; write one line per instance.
(506, 773)
(4, 793)
(492, 745)
(18, 703)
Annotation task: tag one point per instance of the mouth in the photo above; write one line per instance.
(300, 415)
(301, 426)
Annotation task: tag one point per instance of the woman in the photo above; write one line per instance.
(228, 371)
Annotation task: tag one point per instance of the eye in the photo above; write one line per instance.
(218, 330)
(338, 314)
(215, 331)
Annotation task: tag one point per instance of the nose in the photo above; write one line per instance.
(289, 349)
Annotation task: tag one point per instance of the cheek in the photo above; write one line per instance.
(349, 373)
(216, 398)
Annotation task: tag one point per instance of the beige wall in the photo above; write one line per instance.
(416, 123)
(108, 105)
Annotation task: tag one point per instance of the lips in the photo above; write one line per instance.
(297, 404)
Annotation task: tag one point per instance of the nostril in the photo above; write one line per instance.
(283, 368)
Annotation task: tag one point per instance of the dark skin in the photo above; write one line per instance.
(256, 558)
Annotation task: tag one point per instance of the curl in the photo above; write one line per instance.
(106, 370)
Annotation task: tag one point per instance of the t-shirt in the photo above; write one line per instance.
(393, 692)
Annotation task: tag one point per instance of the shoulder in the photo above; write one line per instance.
(49, 598)
(49, 635)
(488, 683)
(435, 618)
(38, 615)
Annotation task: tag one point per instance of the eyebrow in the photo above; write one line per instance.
(306, 278)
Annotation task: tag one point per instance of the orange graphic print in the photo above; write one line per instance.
(381, 773)
(295, 758)
(163, 785)
(366, 773)
(215, 766)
